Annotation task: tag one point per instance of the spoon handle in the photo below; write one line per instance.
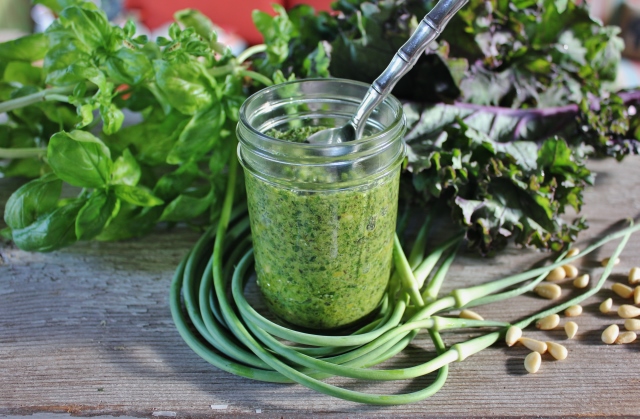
(429, 29)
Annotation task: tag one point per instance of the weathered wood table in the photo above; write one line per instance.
(87, 331)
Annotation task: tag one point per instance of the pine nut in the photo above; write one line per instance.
(573, 311)
(557, 351)
(605, 261)
(622, 290)
(627, 311)
(634, 276)
(632, 324)
(573, 252)
(556, 274)
(513, 334)
(532, 362)
(571, 328)
(548, 323)
(606, 305)
(470, 314)
(636, 295)
(549, 291)
(626, 337)
(570, 271)
(534, 345)
(610, 334)
(582, 281)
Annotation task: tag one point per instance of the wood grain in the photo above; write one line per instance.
(87, 331)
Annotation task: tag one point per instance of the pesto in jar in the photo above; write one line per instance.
(323, 257)
(295, 135)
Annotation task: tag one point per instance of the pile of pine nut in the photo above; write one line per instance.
(612, 334)
(551, 290)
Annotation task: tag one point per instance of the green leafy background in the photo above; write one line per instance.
(502, 112)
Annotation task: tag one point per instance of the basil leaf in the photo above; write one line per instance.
(51, 231)
(59, 34)
(28, 48)
(172, 184)
(317, 62)
(161, 98)
(232, 97)
(62, 115)
(80, 159)
(67, 64)
(196, 20)
(126, 170)
(85, 112)
(200, 134)
(164, 129)
(22, 137)
(186, 85)
(95, 214)
(27, 168)
(128, 66)
(91, 27)
(220, 155)
(137, 196)
(277, 32)
(32, 200)
(112, 118)
(6, 89)
(186, 207)
(23, 73)
(131, 221)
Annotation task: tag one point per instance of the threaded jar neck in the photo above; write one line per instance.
(318, 102)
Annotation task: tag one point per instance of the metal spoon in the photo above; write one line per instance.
(406, 57)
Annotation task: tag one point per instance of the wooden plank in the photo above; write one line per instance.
(87, 330)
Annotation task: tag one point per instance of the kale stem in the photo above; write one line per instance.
(632, 96)
(627, 97)
(249, 52)
(53, 93)
(22, 153)
(517, 112)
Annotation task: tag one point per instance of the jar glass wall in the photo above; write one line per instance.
(322, 216)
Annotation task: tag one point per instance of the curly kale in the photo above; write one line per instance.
(502, 110)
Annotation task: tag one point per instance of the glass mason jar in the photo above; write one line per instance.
(322, 216)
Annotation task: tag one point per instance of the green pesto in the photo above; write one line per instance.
(296, 135)
(323, 258)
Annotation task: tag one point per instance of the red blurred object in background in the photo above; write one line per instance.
(234, 16)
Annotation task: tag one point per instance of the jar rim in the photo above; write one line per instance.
(318, 102)
(390, 100)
